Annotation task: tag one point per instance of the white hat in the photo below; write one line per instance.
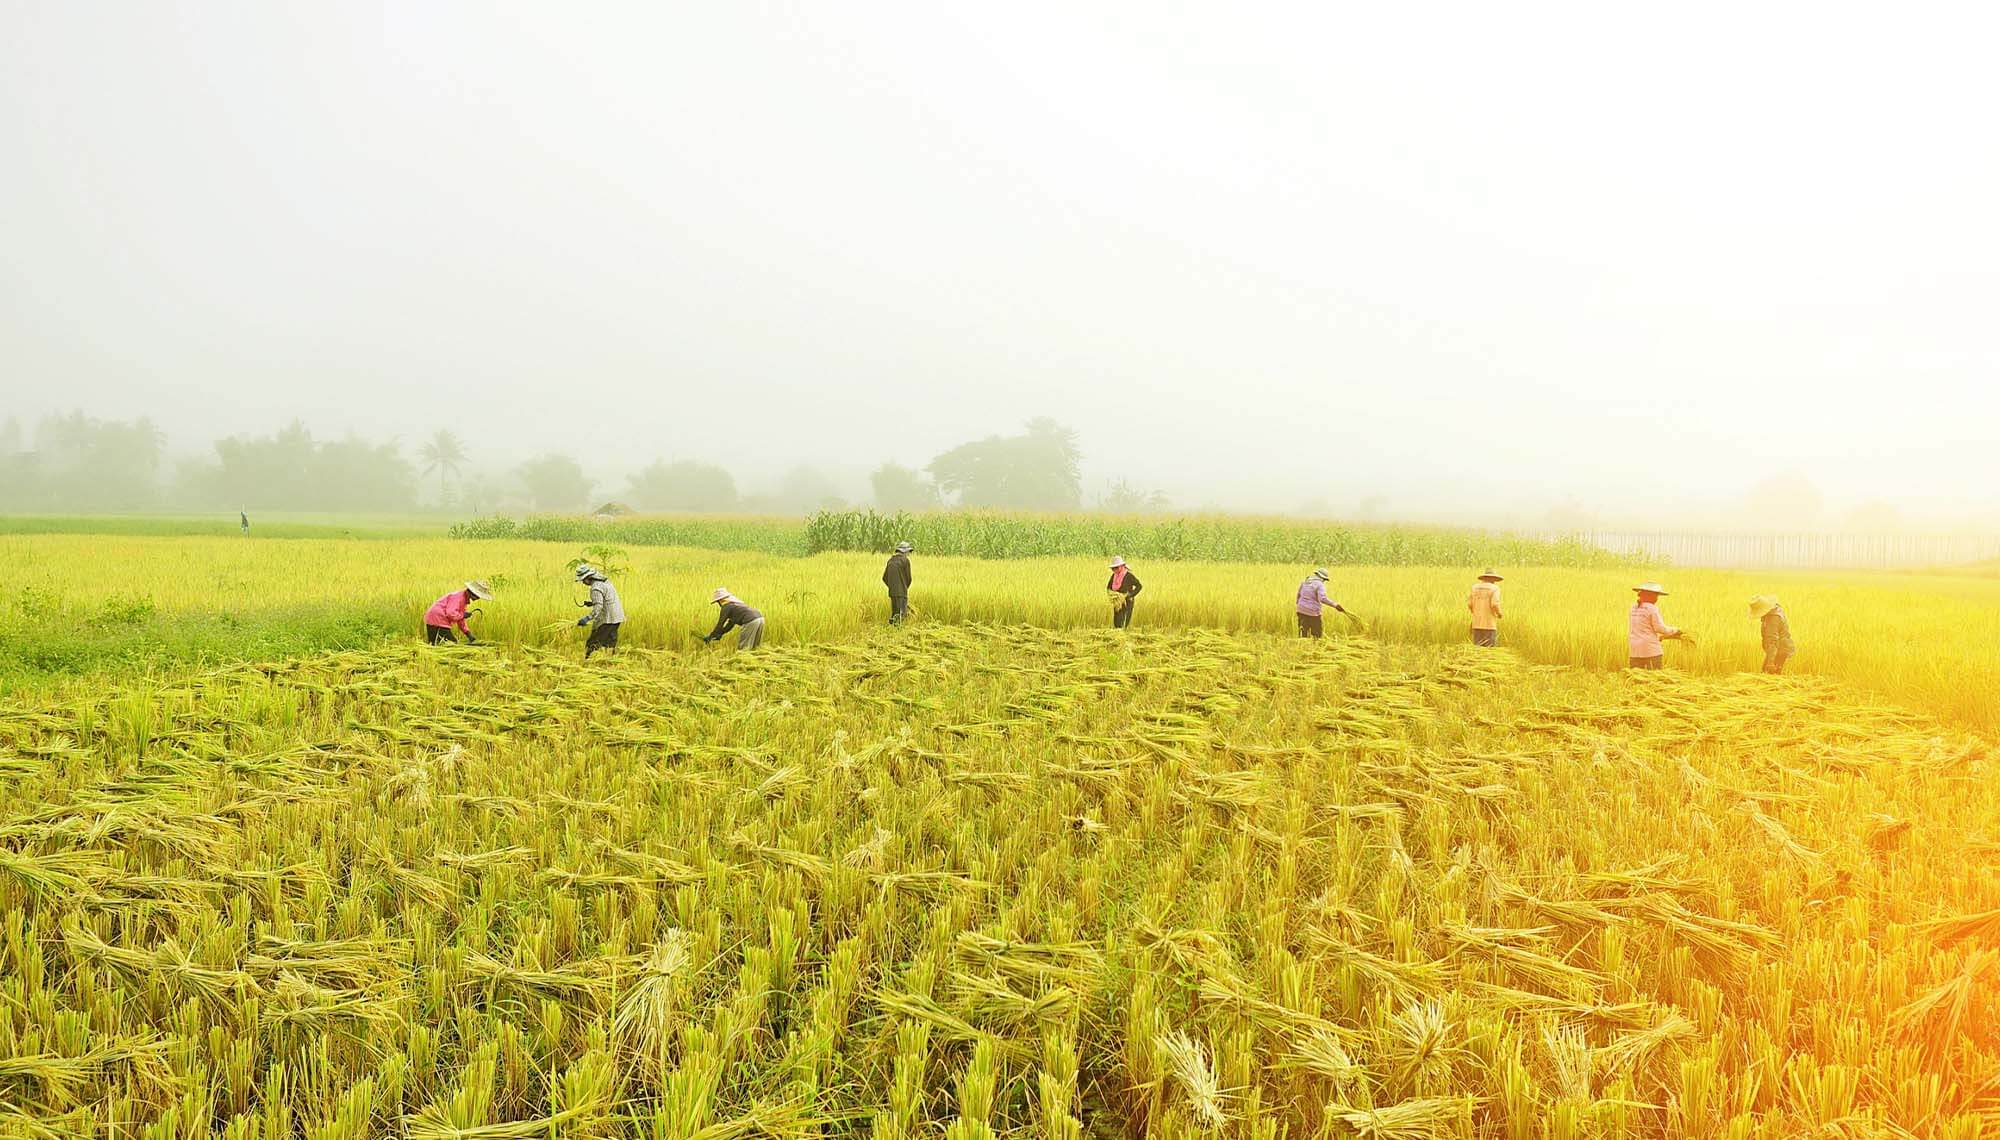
(585, 572)
(1651, 588)
(720, 596)
(904, 548)
(479, 589)
(1117, 562)
(1320, 574)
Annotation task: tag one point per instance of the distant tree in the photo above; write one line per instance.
(443, 454)
(898, 488)
(1786, 502)
(1040, 469)
(554, 483)
(806, 489)
(1125, 499)
(1874, 517)
(85, 464)
(290, 470)
(682, 486)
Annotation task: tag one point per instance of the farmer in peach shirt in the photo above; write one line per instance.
(1646, 629)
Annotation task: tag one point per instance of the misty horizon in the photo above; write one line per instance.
(1473, 270)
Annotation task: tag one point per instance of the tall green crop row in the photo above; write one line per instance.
(982, 880)
(1216, 538)
(983, 534)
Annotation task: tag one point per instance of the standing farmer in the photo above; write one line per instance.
(735, 615)
(450, 611)
(245, 519)
(1484, 602)
(1645, 628)
(1777, 630)
(1124, 586)
(607, 613)
(896, 576)
(1313, 600)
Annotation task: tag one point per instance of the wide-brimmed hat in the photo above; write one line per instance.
(585, 572)
(479, 589)
(1117, 562)
(904, 548)
(1490, 575)
(1320, 574)
(720, 596)
(1762, 604)
(1650, 588)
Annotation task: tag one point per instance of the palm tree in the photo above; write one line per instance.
(443, 454)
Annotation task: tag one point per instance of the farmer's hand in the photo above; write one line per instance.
(584, 620)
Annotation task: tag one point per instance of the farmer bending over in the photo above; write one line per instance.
(450, 612)
(735, 615)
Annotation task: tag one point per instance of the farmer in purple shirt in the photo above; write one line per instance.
(1312, 599)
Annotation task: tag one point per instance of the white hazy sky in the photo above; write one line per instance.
(1255, 254)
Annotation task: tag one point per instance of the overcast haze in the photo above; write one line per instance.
(1254, 255)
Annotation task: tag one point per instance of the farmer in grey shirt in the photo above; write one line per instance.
(607, 613)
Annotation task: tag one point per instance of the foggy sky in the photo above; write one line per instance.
(1255, 254)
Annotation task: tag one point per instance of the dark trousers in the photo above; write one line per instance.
(1122, 616)
(1311, 625)
(1647, 662)
(899, 608)
(601, 637)
(1486, 638)
(433, 634)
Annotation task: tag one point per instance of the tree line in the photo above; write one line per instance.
(77, 463)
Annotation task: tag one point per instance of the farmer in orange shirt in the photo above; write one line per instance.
(1484, 602)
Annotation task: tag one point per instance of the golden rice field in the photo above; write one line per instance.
(977, 881)
(1928, 640)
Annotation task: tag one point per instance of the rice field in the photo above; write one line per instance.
(980, 881)
(73, 604)
(1000, 872)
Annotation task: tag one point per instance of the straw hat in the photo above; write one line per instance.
(904, 548)
(720, 596)
(1762, 604)
(1320, 574)
(1650, 588)
(1117, 562)
(1490, 575)
(479, 589)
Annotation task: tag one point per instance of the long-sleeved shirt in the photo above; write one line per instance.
(896, 575)
(1778, 631)
(449, 611)
(1123, 581)
(1313, 596)
(1484, 602)
(605, 608)
(734, 613)
(1644, 629)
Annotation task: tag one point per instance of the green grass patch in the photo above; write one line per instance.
(226, 524)
(126, 636)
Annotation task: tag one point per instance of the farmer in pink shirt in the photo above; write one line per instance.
(1645, 628)
(449, 612)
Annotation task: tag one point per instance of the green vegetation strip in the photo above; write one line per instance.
(980, 534)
